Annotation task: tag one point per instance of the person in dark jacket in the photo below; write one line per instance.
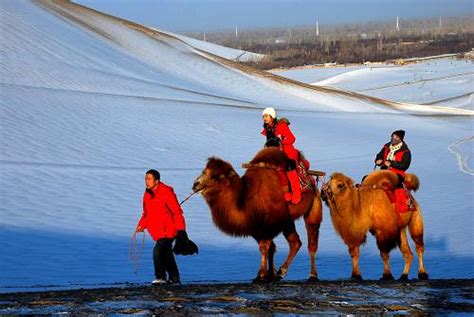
(163, 218)
(395, 155)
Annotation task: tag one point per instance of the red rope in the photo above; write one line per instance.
(135, 252)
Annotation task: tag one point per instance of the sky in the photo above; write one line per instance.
(211, 15)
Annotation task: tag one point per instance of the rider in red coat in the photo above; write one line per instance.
(278, 133)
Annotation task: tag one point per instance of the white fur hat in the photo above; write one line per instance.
(270, 111)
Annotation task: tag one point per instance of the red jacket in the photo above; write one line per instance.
(162, 215)
(283, 132)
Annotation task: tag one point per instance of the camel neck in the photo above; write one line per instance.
(227, 206)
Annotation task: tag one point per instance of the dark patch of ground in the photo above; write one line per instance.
(293, 297)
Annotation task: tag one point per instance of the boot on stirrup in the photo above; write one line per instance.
(295, 195)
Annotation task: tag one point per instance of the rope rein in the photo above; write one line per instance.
(189, 196)
(135, 251)
(330, 197)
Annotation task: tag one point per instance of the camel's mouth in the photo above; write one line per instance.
(198, 187)
(326, 193)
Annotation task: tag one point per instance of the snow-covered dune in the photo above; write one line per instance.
(176, 65)
(89, 102)
(444, 81)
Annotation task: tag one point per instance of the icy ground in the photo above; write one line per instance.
(88, 103)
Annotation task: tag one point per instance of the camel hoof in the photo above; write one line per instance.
(259, 280)
(274, 278)
(357, 277)
(423, 276)
(278, 278)
(280, 275)
(403, 277)
(312, 279)
(387, 277)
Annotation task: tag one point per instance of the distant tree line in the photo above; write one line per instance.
(350, 43)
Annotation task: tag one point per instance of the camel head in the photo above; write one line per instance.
(338, 185)
(216, 174)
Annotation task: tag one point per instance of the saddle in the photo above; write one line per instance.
(388, 182)
(306, 177)
(307, 182)
(402, 199)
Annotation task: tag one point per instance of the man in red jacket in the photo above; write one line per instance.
(278, 134)
(163, 218)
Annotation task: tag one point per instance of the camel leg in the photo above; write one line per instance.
(272, 272)
(264, 246)
(354, 252)
(387, 239)
(407, 254)
(295, 244)
(387, 273)
(415, 226)
(312, 222)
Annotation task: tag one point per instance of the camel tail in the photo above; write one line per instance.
(413, 181)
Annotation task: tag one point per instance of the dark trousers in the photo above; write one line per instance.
(164, 261)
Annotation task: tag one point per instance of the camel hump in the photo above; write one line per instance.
(382, 178)
(271, 155)
(412, 182)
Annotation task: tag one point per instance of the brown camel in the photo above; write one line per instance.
(253, 205)
(357, 210)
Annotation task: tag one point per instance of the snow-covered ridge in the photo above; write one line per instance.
(219, 50)
(442, 80)
(320, 98)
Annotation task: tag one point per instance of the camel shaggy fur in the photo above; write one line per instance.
(367, 208)
(253, 205)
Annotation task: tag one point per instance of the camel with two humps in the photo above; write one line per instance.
(356, 210)
(253, 205)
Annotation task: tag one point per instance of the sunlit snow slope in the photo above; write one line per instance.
(441, 80)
